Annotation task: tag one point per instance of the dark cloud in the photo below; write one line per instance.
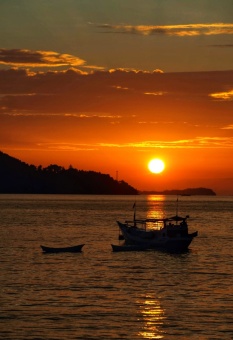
(146, 96)
(23, 57)
(222, 45)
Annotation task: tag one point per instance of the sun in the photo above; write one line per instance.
(156, 165)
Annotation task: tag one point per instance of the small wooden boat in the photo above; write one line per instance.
(73, 249)
(128, 247)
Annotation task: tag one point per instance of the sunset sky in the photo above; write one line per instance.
(107, 85)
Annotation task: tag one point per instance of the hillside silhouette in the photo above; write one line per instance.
(19, 177)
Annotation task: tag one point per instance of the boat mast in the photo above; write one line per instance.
(177, 206)
(134, 214)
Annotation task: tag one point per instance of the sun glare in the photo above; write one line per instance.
(156, 165)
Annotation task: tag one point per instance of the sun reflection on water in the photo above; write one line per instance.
(155, 209)
(155, 206)
(158, 198)
(153, 317)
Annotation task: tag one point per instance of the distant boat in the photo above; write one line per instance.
(73, 249)
(165, 233)
(128, 247)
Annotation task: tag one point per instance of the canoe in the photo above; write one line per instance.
(73, 249)
(128, 247)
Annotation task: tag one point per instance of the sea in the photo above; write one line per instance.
(101, 294)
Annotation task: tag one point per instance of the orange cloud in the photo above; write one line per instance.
(223, 95)
(160, 93)
(198, 142)
(128, 70)
(229, 127)
(175, 30)
(195, 143)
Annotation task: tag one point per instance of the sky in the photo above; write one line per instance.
(107, 85)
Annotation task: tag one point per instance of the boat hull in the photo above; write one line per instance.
(73, 249)
(151, 241)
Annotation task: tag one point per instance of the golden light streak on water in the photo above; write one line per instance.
(153, 316)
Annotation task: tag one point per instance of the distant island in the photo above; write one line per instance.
(17, 177)
(184, 192)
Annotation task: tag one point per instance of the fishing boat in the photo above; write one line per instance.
(158, 233)
(73, 249)
(128, 247)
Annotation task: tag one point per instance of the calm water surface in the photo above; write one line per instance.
(98, 294)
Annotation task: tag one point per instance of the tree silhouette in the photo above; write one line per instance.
(19, 177)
